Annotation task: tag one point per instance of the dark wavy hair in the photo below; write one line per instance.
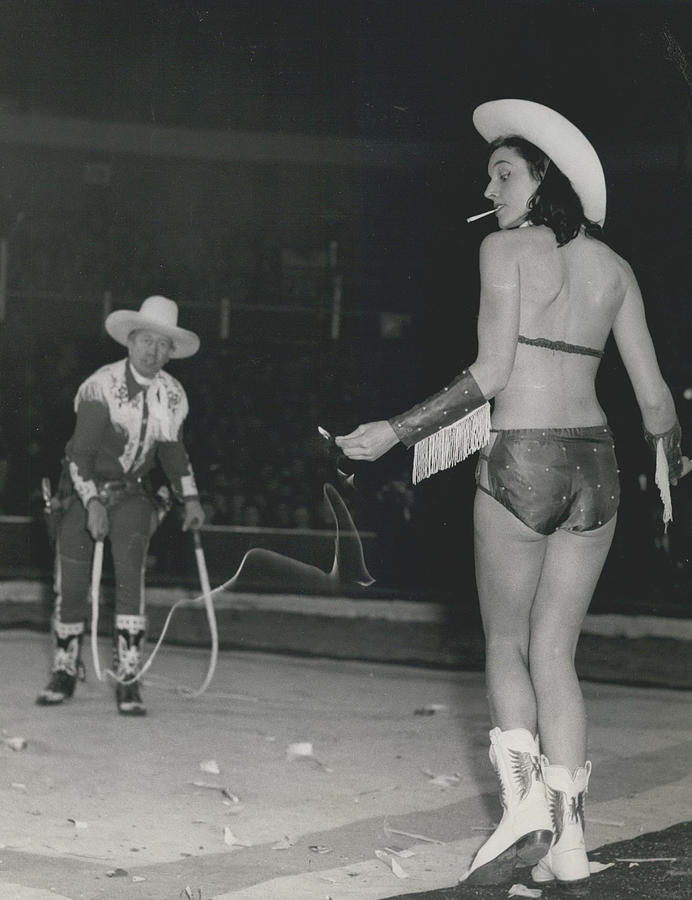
(555, 202)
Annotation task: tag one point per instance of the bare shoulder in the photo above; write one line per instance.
(606, 259)
(539, 242)
(509, 243)
(624, 268)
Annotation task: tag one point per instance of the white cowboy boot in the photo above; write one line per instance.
(525, 831)
(127, 651)
(566, 860)
(67, 663)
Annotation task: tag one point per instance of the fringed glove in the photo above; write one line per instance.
(445, 428)
(668, 458)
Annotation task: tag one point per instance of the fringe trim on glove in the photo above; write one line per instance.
(663, 483)
(449, 446)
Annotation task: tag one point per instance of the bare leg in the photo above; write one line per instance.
(572, 566)
(509, 561)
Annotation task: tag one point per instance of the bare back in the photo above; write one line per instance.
(570, 294)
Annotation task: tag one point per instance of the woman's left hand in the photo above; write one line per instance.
(369, 441)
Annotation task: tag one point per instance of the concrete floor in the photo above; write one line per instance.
(100, 806)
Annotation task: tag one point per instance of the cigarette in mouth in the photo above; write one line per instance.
(481, 215)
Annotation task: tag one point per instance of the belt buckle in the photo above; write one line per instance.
(109, 491)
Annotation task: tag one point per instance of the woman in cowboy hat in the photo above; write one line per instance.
(128, 413)
(547, 478)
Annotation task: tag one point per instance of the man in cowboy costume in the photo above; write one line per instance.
(128, 413)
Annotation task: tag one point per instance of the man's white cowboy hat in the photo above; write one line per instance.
(555, 135)
(157, 314)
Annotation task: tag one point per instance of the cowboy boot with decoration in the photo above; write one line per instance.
(566, 861)
(525, 830)
(67, 663)
(127, 652)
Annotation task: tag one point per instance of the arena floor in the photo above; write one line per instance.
(211, 799)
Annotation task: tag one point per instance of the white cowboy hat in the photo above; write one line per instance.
(157, 314)
(555, 135)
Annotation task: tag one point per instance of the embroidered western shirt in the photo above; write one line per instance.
(122, 426)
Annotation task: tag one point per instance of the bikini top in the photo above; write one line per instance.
(562, 346)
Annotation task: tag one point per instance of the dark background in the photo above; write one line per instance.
(218, 150)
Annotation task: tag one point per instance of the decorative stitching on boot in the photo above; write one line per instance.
(577, 810)
(68, 629)
(565, 810)
(525, 767)
(66, 654)
(133, 623)
(129, 633)
(128, 654)
(65, 661)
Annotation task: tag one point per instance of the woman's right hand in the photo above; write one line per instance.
(369, 441)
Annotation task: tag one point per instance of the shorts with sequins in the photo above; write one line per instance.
(550, 479)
